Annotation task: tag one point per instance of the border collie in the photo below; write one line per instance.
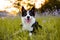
(28, 20)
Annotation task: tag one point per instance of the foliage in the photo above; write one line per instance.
(52, 4)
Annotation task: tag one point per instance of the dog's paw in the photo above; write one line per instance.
(30, 34)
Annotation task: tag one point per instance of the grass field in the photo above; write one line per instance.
(50, 29)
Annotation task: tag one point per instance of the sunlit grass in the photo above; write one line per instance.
(50, 29)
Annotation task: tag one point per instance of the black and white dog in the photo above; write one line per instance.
(28, 20)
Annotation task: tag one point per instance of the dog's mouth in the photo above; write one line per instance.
(28, 20)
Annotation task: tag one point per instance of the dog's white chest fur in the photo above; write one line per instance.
(27, 27)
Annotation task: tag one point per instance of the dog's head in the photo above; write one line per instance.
(28, 15)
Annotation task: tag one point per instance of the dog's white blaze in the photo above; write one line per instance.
(28, 13)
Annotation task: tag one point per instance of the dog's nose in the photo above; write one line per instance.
(28, 17)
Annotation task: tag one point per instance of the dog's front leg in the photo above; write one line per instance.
(30, 33)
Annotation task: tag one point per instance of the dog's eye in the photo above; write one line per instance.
(24, 13)
(31, 13)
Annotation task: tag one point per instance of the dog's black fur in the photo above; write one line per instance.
(35, 27)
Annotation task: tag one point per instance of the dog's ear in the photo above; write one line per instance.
(23, 9)
(32, 11)
(33, 8)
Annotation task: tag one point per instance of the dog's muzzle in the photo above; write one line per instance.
(28, 19)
